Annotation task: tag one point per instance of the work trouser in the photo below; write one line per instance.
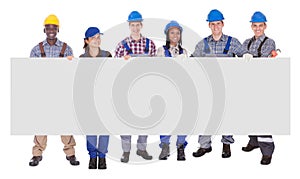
(205, 140)
(264, 142)
(94, 150)
(126, 142)
(165, 139)
(40, 142)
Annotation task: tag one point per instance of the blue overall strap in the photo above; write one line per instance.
(147, 46)
(103, 53)
(206, 46)
(181, 51)
(226, 49)
(167, 52)
(128, 49)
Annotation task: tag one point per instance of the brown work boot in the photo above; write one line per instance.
(249, 148)
(266, 160)
(201, 151)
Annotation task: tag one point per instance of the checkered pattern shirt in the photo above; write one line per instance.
(217, 47)
(266, 49)
(51, 51)
(137, 47)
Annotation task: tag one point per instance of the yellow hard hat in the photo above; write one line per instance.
(51, 19)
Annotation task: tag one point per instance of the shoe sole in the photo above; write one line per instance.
(246, 150)
(181, 159)
(265, 163)
(226, 156)
(124, 161)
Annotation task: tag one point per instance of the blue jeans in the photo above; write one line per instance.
(91, 145)
(166, 140)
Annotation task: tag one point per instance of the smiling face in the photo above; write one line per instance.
(135, 28)
(216, 27)
(51, 31)
(174, 35)
(94, 41)
(258, 28)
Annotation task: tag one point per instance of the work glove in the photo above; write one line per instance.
(247, 57)
(181, 56)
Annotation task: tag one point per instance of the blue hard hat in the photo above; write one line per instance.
(258, 17)
(172, 24)
(135, 16)
(214, 15)
(91, 31)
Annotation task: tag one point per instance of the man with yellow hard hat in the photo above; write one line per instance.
(51, 47)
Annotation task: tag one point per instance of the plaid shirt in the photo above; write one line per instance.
(51, 51)
(137, 47)
(217, 47)
(266, 49)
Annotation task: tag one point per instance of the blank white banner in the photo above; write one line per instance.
(150, 96)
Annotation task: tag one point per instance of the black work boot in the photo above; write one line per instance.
(35, 160)
(180, 153)
(72, 160)
(93, 163)
(102, 163)
(226, 151)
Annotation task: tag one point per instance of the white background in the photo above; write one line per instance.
(22, 28)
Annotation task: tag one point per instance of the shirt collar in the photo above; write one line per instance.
(174, 47)
(211, 39)
(57, 43)
(132, 40)
(261, 38)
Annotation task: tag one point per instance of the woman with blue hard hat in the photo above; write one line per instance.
(92, 41)
(260, 46)
(172, 48)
